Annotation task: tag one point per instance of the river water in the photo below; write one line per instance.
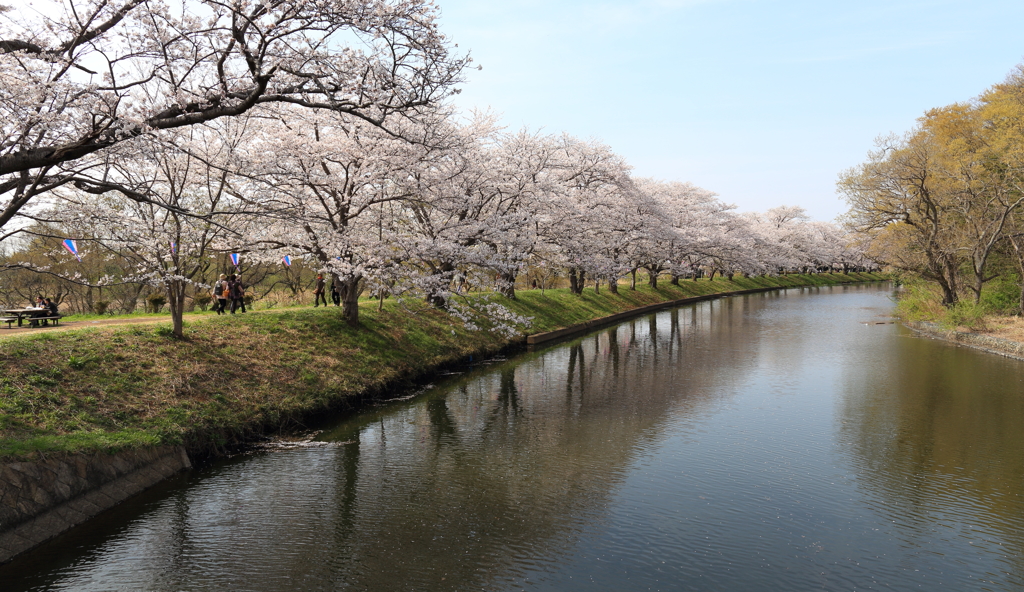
(782, 441)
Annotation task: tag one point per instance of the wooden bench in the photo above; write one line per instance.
(55, 320)
(9, 320)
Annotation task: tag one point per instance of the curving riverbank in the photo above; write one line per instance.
(235, 378)
(91, 417)
(994, 345)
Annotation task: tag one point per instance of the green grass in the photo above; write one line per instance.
(232, 377)
(921, 300)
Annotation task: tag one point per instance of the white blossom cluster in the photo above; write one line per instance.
(165, 136)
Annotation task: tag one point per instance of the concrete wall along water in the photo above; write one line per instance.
(41, 499)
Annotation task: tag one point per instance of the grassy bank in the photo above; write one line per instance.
(921, 301)
(241, 375)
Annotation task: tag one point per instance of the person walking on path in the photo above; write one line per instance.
(318, 291)
(335, 294)
(237, 291)
(221, 293)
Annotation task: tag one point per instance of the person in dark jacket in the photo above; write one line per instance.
(335, 294)
(237, 290)
(51, 311)
(318, 291)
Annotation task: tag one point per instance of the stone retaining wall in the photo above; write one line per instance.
(995, 345)
(41, 499)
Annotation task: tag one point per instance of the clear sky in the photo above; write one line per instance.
(764, 102)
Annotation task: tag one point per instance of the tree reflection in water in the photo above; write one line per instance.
(765, 442)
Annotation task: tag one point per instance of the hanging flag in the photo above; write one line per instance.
(174, 248)
(234, 259)
(286, 260)
(72, 247)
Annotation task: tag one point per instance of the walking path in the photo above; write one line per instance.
(71, 325)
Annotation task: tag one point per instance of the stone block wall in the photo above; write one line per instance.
(993, 345)
(41, 499)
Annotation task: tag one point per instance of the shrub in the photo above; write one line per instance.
(156, 301)
(100, 306)
(965, 314)
(202, 300)
(1002, 295)
(918, 300)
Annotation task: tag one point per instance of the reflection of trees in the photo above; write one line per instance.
(349, 476)
(441, 423)
(541, 444)
(498, 469)
(577, 364)
(933, 433)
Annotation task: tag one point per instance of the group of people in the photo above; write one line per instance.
(229, 288)
(319, 291)
(47, 308)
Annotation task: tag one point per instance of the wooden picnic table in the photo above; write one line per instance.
(22, 313)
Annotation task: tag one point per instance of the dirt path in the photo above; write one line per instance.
(72, 325)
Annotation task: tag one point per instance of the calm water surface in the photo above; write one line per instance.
(769, 442)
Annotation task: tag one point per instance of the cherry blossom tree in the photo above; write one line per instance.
(152, 240)
(589, 186)
(77, 77)
(328, 186)
(475, 216)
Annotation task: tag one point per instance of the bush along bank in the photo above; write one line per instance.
(235, 378)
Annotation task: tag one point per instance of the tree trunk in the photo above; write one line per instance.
(652, 279)
(675, 280)
(948, 295)
(507, 285)
(349, 290)
(632, 281)
(445, 270)
(711, 277)
(1018, 248)
(613, 285)
(947, 280)
(176, 300)
(577, 278)
(597, 286)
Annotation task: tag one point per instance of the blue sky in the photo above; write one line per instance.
(763, 102)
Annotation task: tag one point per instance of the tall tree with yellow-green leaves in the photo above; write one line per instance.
(1003, 105)
(941, 199)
